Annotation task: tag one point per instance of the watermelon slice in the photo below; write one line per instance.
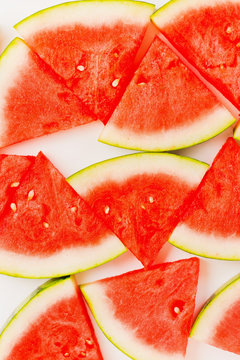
(218, 323)
(236, 133)
(34, 101)
(90, 44)
(147, 313)
(210, 225)
(170, 107)
(207, 34)
(48, 230)
(12, 169)
(52, 324)
(139, 197)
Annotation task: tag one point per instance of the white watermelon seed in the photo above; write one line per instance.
(46, 225)
(81, 68)
(66, 354)
(150, 199)
(229, 30)
(73, 209)
(222, 66)
(13, 206)
(15, 184)
(89, 342)
(83, 353)
(115, 83)
(31, 195)
(143, 207)
(116, 55)
(141, 83)
(238, 45)
(107, 209)
(177, 310)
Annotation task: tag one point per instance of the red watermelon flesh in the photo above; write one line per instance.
(35, 100)
(46, 215)
(208, 35)
(154, 307)
(143, 226)
(162, 116)
(93, 55)
(215, 207)
(61, 330)
(12, 169)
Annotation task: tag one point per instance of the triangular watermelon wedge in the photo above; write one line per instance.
(52, 324)
(147, 313)
(12, 170)
(34, 101)
(207, 35)
(139, 197)
(48, 230)
(170, 107)
(210, 225)
(90, 44)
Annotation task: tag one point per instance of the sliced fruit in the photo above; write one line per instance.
(207, 34)
(218, 322)
(147, 313)
(170, 107)
(210, 225)
(52, 324)
(139, 197)
(236, 133)
(48, 229)
(92, 45)
(34, 101)
(12, 169)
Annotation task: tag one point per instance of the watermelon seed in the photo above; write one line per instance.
(81, 68)
(83, 353)
(116, 55)
(150, 199)
(229, 30)
(66, 354)
(143, 207)
(115, 83)
(30, 195)
(141, 84)
(46, 225)
(13, 206)
(107, 209)
(89, 342)
(238, 45)
(222, 66)
(177, 310)
(15, 184)
(73, 209)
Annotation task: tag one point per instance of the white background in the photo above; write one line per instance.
(71, 151)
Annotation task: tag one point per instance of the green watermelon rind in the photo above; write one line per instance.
(210, 304)
(114, 340)
(33, 296)
(236, 132)
(38, 15)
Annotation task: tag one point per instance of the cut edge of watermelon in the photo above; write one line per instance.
(33, 306)
(175, 8)
(115, 331)
(236, 132)
(90, 12)
(200, 131)
(120, 168)
(214, 309)
(205, 245)
(11, 61)
(68, 261)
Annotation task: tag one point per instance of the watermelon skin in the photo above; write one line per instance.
(139, 197)
(102, 37)
(48, 230)
(209, 226)
(58, 326)
(218, 322)
(12, 170)
(162, 116)
(136, 310)
(207, 34)
(34, 101)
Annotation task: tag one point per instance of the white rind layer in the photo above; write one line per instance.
(214, 311)
(175, 9)
(88, 13)
(122, 168)
(12, 61)
(118, 333)
(31, 311)
(203, 128)
(68, 261)
(207, 245)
